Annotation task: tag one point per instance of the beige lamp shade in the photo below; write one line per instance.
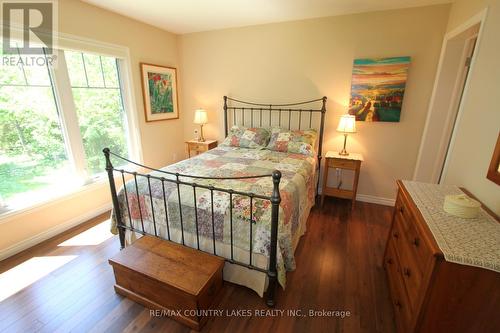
(200, 117)
(347, 124)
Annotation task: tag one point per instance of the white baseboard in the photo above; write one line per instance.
(375, 200)
(54, 231)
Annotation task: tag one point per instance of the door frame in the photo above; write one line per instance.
(439, 132)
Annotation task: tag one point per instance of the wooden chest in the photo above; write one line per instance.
(430, 294)
(164, 275)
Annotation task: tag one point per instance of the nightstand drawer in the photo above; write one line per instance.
(194, 146)
(198, 147)
(342, 164)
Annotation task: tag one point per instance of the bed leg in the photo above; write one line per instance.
(272, 272)
(114, 198)
(271, 290)
(320, 149)
(121, 235)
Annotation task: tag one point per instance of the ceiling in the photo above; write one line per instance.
(185, 16)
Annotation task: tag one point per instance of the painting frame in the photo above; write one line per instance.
(378, 86)
(159, 92)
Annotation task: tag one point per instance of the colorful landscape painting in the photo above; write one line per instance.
(377, 88)
(159, 92)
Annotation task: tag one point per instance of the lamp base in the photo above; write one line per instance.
(343, 153)
(201, 138)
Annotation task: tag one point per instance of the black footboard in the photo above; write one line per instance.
(175, 178)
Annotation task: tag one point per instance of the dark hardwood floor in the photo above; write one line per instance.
(339, 267)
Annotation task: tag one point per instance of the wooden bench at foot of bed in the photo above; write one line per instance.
(163, 275)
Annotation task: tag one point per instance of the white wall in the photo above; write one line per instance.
(307, 59)
(478, 127)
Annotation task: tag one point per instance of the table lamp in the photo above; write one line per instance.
(200, 118)
(347, 125)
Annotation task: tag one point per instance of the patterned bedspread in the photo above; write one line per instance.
(297, 189)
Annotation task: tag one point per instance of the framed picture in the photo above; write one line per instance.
(159, 90)
(377, 88)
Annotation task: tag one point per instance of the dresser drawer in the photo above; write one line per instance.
(418, 249)
(412, 272)
(402, 207)
(399, 298)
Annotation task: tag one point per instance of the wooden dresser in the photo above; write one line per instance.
(428, 292)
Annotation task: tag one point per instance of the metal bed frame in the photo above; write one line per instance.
(238, 108)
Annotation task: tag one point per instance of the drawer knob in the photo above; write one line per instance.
(416, 242)
(389, 261)
(398, 304)
(406, 272)
(395, 234)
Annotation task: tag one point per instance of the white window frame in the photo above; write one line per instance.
(68, 117)
(65, 103)
(79, 44)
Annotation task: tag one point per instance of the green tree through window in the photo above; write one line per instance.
(32, 148)
(35, 155)
(97, 95)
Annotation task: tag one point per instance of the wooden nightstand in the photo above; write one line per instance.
(200, 147)
(349, 162)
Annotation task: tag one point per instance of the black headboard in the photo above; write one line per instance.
(301, 115)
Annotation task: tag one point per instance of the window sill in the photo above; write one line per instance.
(96, 182)
(10, 213)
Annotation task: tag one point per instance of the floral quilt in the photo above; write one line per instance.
(297, 189)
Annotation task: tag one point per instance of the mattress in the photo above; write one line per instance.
(297, 190)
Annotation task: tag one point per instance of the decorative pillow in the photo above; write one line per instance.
(297, 141)
(245, 137)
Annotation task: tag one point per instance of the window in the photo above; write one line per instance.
(96, 91)
(54, 123)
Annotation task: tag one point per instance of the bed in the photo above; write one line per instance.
(246, 204)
